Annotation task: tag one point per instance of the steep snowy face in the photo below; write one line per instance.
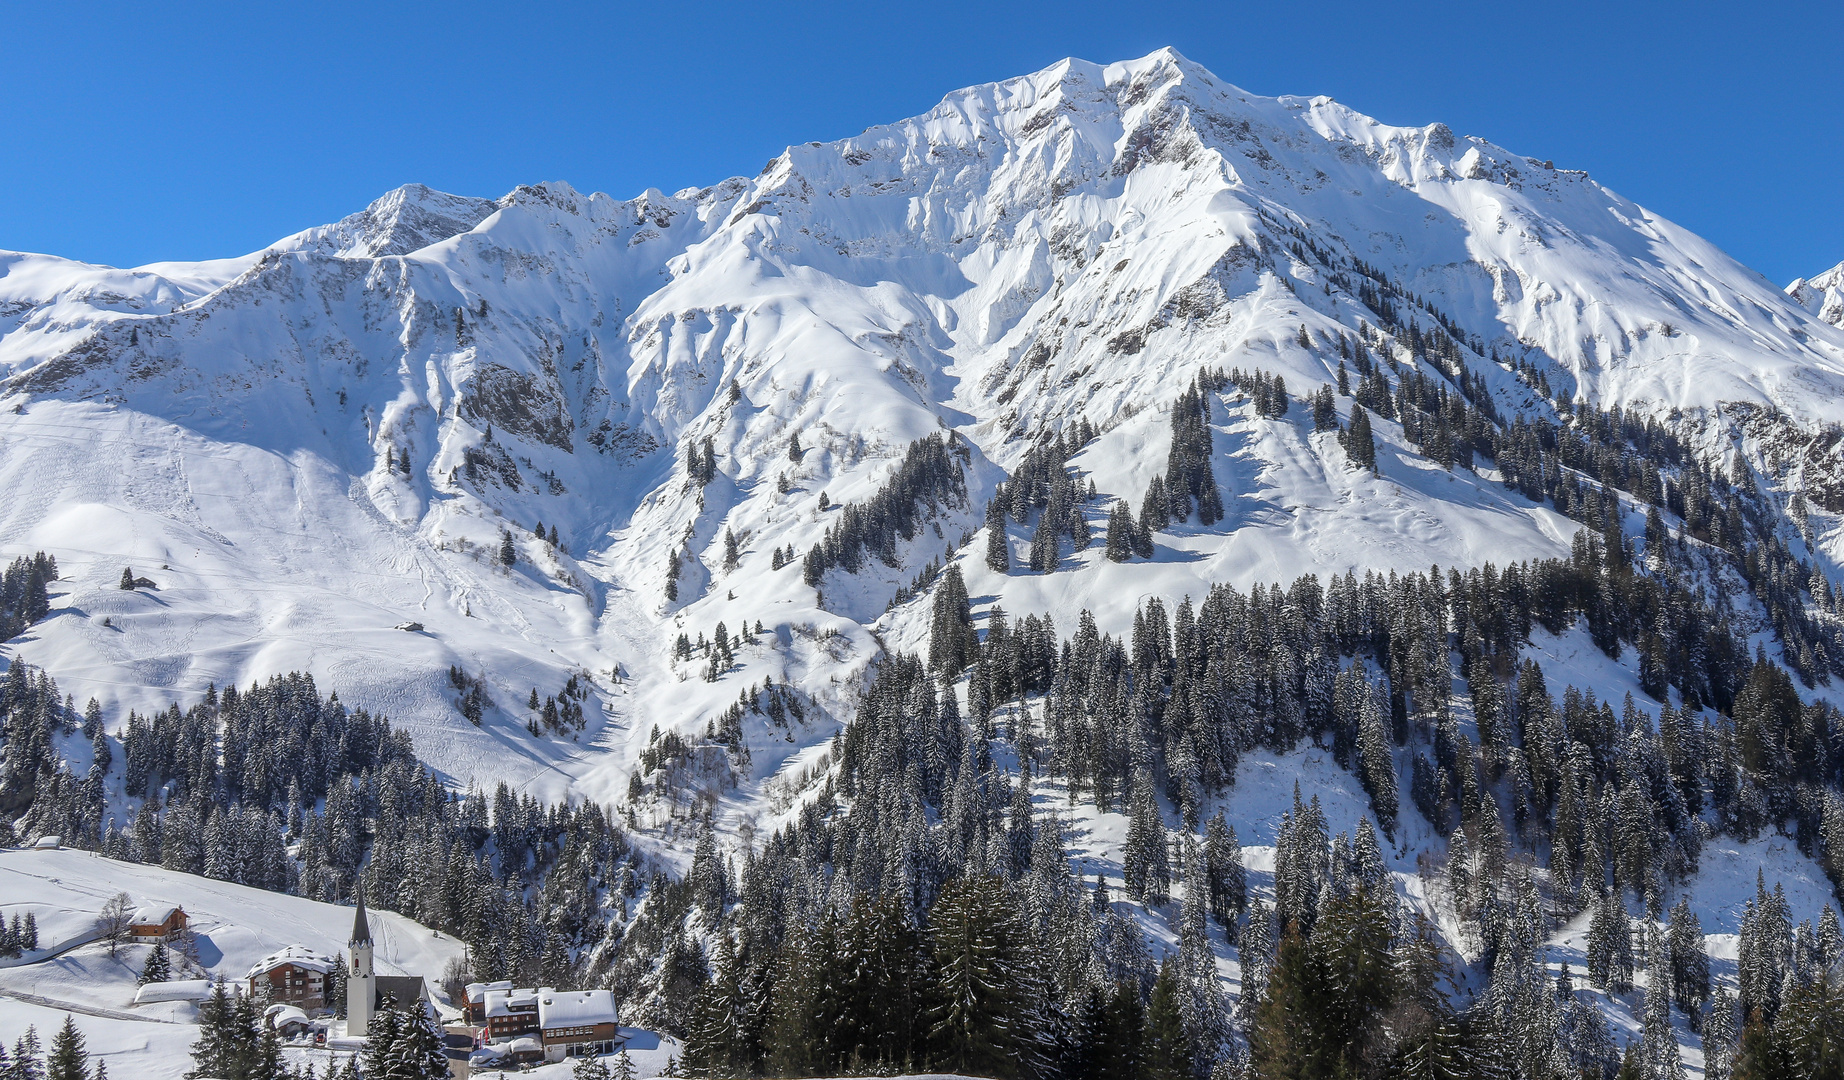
(1086, 213)
(1822, 295)
(334, 436)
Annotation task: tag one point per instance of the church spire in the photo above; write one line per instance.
(361, 927)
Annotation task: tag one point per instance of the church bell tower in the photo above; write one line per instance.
(361, 991)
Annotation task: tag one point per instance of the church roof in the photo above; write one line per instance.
(402, 989)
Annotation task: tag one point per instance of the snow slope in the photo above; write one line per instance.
(235, 926)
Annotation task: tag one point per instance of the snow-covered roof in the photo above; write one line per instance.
(299, 955)
(49, 842)
(507, 1002)
(576, 1008)
(177, 990)
(478, 990)
(525, 1045)
(152, 914)
(279, 1015)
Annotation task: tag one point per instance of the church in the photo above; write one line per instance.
(367, 992)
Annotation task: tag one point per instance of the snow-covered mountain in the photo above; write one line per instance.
(1821, 294)
(1071, 244)
(316, 451)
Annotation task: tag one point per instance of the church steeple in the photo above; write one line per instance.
(361, 927)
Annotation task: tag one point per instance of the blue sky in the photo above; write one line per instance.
(183, 131)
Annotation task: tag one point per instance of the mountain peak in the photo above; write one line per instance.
(1822, 295)
(402, 220)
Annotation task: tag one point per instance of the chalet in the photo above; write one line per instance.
(474, 1000)
(295, 976)
(157, 922)
(544, 1023)
(510, 1013)
(577, 1023)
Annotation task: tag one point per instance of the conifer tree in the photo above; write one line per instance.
(1325, 410)
(1442, 1050)
(998, 551)
(68, 1059)
(1610, 945)
(1120, 533)
(1690, 965)
(26, 1063)
(1661, 1043)
(1045, 550)
(986, 1021)
(1080, 535)
(1720, 1038)
(790, 1039)
(1166, 1049)
(266, 1060)
(158, 967)
(623, 1068)
(1155, 507)
(1360, 446)
(416, 1053)
(1376, 765)
(1284, 1027)
(1759, 1056)
(127, 579)
(1121, 1035)
(1228, 880)
(386, 1029)
(1146, 864)
(952, 642)
(221, 1045)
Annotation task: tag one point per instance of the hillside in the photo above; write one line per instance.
(235, 926)
(1087, 390)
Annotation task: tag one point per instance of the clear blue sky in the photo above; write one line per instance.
(138, 132)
